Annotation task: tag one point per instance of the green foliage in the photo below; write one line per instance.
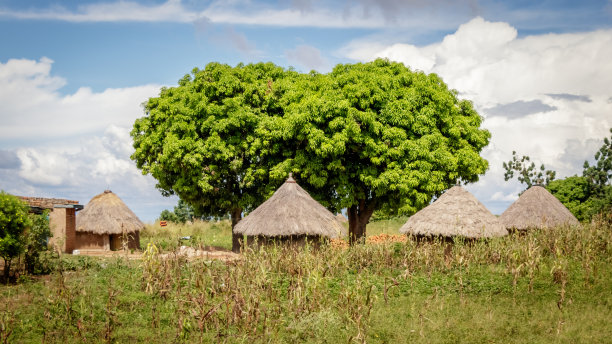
(196, 139)
(527, 173)
(13, 222)
(167, 215)
(182, 213)
(600, 174)
(36, 238)
(382, 133)
(574, 193)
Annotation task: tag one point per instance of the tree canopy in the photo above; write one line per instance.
(379, 136)
(195, 139)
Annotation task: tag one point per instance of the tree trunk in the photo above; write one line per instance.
(7, 270)
(236, 215)
(359, 216)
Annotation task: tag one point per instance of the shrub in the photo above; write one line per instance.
(14, 220)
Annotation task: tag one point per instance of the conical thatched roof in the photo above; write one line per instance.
(107, 214)
(537, 208)
(341, 218)
(456, 213)
(290, 211)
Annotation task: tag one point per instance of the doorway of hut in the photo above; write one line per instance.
(114, 242)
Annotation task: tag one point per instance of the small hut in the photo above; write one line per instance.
(456, 213)
(537, 208)
(106, 223)
(341, 218)
(289, 216)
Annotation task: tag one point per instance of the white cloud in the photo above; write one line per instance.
(441, 14)
(308, 57)
(33, 108)
(170, 11)
(533, 78)
(71, 146)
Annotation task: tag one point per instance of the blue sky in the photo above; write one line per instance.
(74, 73)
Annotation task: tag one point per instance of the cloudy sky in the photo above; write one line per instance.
(74, 73)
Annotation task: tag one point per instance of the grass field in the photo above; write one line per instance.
(548, 286)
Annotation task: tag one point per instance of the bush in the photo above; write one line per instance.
(36, 242)
(14, 220)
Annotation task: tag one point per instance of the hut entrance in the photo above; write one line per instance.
(115, 242)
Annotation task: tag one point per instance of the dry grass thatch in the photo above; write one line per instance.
(107, 214)
(341, 218)
(537, 208)
(290, 212)
(456, 213)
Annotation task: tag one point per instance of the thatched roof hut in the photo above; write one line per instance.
(537, 208)
(456, 213)
(104, 220)
(341, 218)
(290, 212)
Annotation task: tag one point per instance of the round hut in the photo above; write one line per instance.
(341, 218)
(289, 216)
(537, 208)
(106, 223)
(456, 213)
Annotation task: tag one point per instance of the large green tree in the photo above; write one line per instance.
(377, 135)
(14, 220)
(196, 139)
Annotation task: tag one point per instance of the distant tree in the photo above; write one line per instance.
(13, 222)
(167, 215)
(574, 193)
(182, 213)
(600, 174)
(527, 173)
(600, 177)
(196, 139)
(377, 136)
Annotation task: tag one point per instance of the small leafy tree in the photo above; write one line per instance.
(36, 239)
(527, 173)
(14, 220)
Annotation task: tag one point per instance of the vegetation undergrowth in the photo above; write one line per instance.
(548, 285)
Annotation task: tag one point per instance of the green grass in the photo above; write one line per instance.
(549, 286)
(202, 234)
(388, 226)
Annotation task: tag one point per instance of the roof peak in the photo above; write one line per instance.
(290, 179)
